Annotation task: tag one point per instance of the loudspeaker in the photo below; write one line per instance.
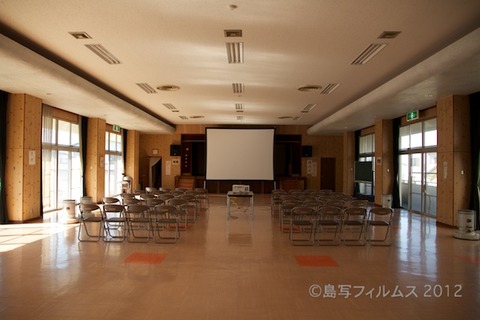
(175, 150)
(306, 151)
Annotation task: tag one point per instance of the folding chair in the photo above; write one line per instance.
(90, 223)
(302, 217)
(378, 226)
(353, 226)
(286, 212)
(114, 223)
(164, 218)
(181, 206)
(138, 220)
(328, 225)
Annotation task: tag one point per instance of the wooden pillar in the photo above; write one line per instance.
(348, 162)
(23, 166)
(132, 165)
(95, 173)
(383, 159)
(453, 157)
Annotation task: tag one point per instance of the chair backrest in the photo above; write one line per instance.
(358, 214)
(88, 208)
(330, 213)
(164, 210)
(117, 209)
(335, 203)
(380, 214)
(177, 202)
(135, 209)
(109, 200)
(154, 202)
(165, 196)
(150, 189)
(359, 203)
(315, 204)
(302, 212)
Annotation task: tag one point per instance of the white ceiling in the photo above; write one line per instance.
(287, 44)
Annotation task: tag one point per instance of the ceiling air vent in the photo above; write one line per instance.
(237, 87)
(367, 54)
(296, 118)
(240, 118)
(309, 107)
(146, 87)
(233, 33)
(239, 107)
(389, 34)
(329, 88)
(183, 117)
(234, 52)
(103, 53)
(170, 107)
(284, 117)
(168, 87)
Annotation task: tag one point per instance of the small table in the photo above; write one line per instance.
(232, 194)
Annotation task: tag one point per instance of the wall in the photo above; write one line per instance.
(323, 146)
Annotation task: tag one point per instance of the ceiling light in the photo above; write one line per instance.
(284, 117)
(103, 53)
(197, 117)
(146, 87)
(309, 88)
(234, 52)
(367, 54)
(168, 87)
(80, 35)
(329, 88)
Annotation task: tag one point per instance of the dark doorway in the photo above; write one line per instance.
(327, 177)
(155, 172)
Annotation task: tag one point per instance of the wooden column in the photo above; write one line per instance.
(453, 157)
(348, 162)
(95, 173)
(383, 159)
(132, 165)
(23, 165)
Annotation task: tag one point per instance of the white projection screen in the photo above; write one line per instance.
(239, 154)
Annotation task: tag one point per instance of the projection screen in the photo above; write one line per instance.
(239, 154)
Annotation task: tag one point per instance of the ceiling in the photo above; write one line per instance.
(286, 45)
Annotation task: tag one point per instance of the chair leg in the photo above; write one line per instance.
(90, 236)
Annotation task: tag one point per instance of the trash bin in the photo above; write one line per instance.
(387, 201)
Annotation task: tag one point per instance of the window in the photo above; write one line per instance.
(113, 163)
(418, 167)
(366, 146)
(61, 164)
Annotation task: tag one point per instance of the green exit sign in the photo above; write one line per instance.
(116, 128)
(412, 115)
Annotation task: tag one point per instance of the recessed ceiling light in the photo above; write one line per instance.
(285, 117)
(168, 87)
(309, 88)
(197, 117)
(389, 34)
(80, 35)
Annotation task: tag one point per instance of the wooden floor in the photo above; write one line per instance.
(215, 272)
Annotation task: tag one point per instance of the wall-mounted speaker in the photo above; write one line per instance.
(306, 151)
(175, 150)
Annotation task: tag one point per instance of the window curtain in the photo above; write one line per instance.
(3, 155)
(47, 149)
(83, 151)
(396, 156)
(475, 153)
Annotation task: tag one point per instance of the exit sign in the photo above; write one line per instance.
(116, 128)
(412, 115)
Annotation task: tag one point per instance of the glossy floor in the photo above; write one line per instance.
(215, 272)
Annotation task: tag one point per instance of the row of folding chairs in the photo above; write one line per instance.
(333, 225)
(151, 195)
(114, 221)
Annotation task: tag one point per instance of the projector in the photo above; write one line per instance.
(240, 188)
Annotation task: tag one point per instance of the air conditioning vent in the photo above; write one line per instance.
(170, 107)
(80, 35)
(329, 88)
(309, 88)
(309, 107)
(234, 52)
(240, 118)
(239, 107)
(233, 33)
(296, 118)
(146, 87)
(103, 53)
(238, 87)
(367, 54)
(183, 117)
